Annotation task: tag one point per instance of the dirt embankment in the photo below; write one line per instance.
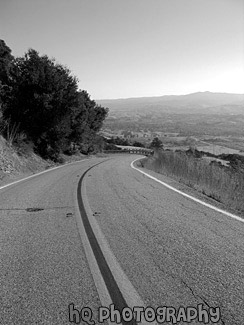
(16, 163)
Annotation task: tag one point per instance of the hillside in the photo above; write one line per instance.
(200, 102)
(20, 161)
(16, 163)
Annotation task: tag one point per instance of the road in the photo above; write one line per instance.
(43, 264)
(173, 251)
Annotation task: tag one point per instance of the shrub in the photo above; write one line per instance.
(221, 183)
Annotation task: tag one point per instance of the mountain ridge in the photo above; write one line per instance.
(194, 102)
(169, 96)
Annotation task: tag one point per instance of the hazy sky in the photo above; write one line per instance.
(134, 48)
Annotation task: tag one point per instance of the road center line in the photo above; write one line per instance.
(107, 275)
(186, 195)
(121, 291)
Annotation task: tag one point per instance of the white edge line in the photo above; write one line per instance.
(186, 195)
(44, 171)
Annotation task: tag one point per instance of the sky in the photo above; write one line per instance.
(134, 48)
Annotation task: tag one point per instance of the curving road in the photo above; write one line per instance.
(173, 251)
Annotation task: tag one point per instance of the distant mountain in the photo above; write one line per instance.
(200, 102)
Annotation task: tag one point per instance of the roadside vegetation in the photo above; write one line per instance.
(41, 107)
(110, 144)
(221, 183)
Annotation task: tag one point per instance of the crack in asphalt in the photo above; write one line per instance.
(195, 295)
(144, 197)
(33, 209)
(152, 186)
(198, 296)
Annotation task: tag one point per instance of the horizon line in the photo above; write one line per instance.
(197, 92)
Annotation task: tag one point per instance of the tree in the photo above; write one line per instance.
(46, 105)
(42, 96)
(156, 143)
(86, 121)
(138, 144)
(6, 64)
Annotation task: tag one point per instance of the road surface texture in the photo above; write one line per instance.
(43, 267)
(175, 252)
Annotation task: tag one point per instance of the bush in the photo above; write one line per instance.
(218, 182)
(138, 144)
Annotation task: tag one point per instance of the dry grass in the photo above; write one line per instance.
(222, 184)
(10, 131)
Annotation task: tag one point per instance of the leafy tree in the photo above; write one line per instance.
(43, 93)
(138, 144)
(45, 103)
(42, 96)
(6, 64)
(86, 121)
(156, 143)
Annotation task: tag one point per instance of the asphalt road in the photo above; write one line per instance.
(43, 267)
(174, 251)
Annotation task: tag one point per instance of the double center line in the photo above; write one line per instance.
(111, 284)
